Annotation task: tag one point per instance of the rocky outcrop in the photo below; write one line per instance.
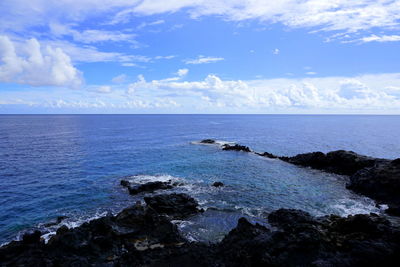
(267, 155)
(207, 141)
(380, 182)
(236, 147)
(340, 161)
(218, 184)
(174, 205)
(147, 187)
(376, 178)
(141, 236)
(302, 240)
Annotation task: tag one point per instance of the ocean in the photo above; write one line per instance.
(71, 165)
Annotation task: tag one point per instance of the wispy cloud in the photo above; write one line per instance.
(203, 60)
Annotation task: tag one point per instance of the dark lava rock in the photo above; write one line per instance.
(125, 183)
(267, 155)
(302, 240)
(147, 187)
(218, 184)
(381, 182)
(175, 205)
(236, 147)
(340, 161)
(140, 236)
(207, 141)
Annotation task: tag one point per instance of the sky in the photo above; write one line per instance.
(200, 56)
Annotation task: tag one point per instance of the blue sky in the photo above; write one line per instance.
(200, 56)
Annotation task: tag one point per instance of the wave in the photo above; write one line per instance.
(347, 206)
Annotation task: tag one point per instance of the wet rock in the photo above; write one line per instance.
(303, 240)
(267, 155)
(147, 187)
(380, 182)
(340, 161)
(236, 147)
(208, 141)
(31, 238)
(175, 205)
(217, 184)
(141, 236)
(125, 183)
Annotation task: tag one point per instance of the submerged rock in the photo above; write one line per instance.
(147, 187)
(175, 205)
(267, 155)
(236, 147)
(208, 141)
(218, 184)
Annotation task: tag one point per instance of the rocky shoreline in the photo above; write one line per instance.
(144, 233)
(375, 178)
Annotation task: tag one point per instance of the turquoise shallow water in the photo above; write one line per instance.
(71, 165)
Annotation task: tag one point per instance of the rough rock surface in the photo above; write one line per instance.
(140, 236)
(340, 161)
(147, 187)
(236, 147)
(381, 182)
(302, 240)
(175, 205)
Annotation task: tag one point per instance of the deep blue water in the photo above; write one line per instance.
(53, 165)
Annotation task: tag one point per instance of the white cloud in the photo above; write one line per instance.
(91, 36)
(203, 60)
(381, 39)
(373, 93)
(276, 51)
(104, 89)
(119, 79)
(332, 93)
(338, 15)
(33, 65)
(147, 24)
(182, 72)
(311, 73)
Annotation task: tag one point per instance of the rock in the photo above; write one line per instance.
(236, 147)
(267, 155)
(303, 240)
(31, 238)
(340, 161)
(141, 236)
(125, 183)
(289, 217)
(175, 205)
(380, 182)
(207, 141)
(149, 187)
(393, 210)
(217, 184)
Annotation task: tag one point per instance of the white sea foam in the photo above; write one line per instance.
(217, 143)
(73, 222)
(348, 206)
(143, 178)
